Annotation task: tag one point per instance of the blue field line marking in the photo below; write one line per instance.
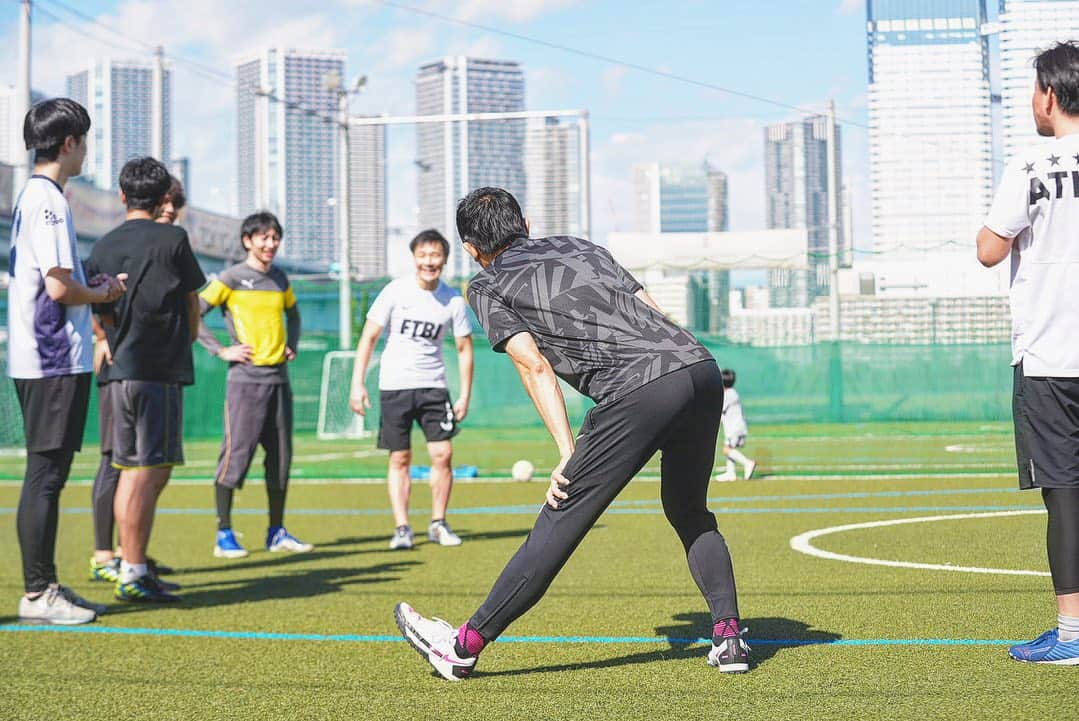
(380, 638)
(533, 509)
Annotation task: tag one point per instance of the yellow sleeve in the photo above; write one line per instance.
(290, 298)
(216, 293)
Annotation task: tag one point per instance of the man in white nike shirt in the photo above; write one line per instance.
(415, 313)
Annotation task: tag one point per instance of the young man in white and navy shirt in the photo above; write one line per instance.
(1035, 221)
(416, 313)
(50, 349)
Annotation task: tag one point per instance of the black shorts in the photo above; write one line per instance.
(430, 407)
(54, 411)
(1046, 416)
(147, 424)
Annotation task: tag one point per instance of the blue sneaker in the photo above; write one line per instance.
(278, 539)
(227, 546)
(1047, 648)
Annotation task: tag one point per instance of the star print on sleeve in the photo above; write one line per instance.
(1076, 156)
(1054, 159)
(1029, 167)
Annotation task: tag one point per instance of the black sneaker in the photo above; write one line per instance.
(168, 586)
(144, 590)
(731, 655)
(158, 568)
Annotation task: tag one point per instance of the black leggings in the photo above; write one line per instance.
(104, 494)
(677, 414)
(1062, 538)
(38, 515)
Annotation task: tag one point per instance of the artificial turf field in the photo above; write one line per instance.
(619, 634)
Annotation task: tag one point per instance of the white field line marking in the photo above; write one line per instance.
(802, 544)
(875, 476)
(644, 478)
(976, 447)
(873, 466)
(315, 457)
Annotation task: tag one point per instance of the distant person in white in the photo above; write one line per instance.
(1035, 221)
(415, 312)
(734, 432)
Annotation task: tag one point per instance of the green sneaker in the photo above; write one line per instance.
(144, 590)
(109, 571)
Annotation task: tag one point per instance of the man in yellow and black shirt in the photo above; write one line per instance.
(263, 324)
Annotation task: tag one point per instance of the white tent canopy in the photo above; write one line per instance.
(711, 251)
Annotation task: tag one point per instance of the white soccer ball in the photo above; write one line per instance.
(522, 471)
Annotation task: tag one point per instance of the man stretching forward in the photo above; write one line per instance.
(561, 307)
(1034, 219)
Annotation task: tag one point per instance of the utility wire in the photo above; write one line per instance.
(924, 143)
(193, 65)
(611, 60)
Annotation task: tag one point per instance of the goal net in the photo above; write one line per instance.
(335, 417)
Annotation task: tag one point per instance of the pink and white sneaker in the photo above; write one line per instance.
(433, 639)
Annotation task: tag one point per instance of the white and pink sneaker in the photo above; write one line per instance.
(433, 639)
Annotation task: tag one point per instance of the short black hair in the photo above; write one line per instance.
(176, 193)
(260, 222)
(49, 123)
(145, 182)
(429, 236)
(1058, 68)
(490, 219)
(728, 377)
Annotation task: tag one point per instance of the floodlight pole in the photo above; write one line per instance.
(24, 168)
(344, 288)
(586, 176)
(157, 107)
(833, 227)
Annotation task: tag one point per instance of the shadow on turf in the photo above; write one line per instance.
(305, 583)
(682, 637)
(421, 538)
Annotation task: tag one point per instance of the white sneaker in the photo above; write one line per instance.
(724, 477)
(278, 539)
(98, 608)
(402, 539)
(732, 655)
(55, 606)
(433, 639)
(440, 533)
(750, 467)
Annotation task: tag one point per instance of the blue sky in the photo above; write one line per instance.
(797, 53)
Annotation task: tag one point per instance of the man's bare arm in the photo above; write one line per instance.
(992, 248)
(541, 383)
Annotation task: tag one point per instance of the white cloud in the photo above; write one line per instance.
(733, 145)
(547, 87)
(849, 7)
(204, 120)
(516, 11)
(404, 46)
(612, 79)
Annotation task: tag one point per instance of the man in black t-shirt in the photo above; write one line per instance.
(561, 307)
(149, 332)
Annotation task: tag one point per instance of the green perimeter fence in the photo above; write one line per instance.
(804, 384)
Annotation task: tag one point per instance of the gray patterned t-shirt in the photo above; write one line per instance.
(579, 305)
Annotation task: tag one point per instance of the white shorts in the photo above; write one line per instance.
(736, 441)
